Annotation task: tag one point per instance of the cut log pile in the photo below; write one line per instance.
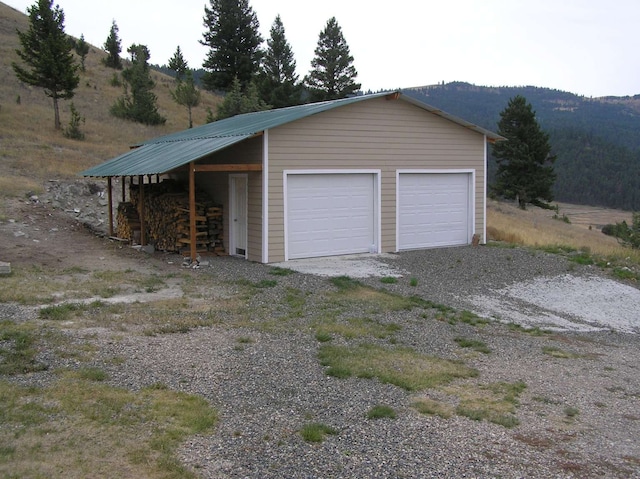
(166, 215)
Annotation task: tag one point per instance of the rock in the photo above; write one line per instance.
(149, 249)
(5, 268)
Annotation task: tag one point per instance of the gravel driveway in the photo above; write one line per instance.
(579, 416)
(272, 385)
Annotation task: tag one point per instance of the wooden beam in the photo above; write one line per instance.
(192, 211)
(110, 197)
(123, 179)
(228, 167)
(143, 239)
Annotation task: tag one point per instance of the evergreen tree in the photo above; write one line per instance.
(238, 101)
(113, 49)
(82, 49)
(332, 74)
(139, 102)
(525, 163)
(178, 64)
(234, 44)
(186, 94)
(73, 129)
(46, 52)
(278, 80)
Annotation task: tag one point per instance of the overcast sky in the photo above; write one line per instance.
(587, 47)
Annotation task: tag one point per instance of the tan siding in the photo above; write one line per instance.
(254, 211)
(376, 134)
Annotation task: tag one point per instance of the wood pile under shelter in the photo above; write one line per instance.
(167, 219)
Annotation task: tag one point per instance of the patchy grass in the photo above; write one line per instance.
(381, 411)
(534, 331)
(413, 282)
(571, 412)
(351, 328)
(92, 374)
(323, 337)
(316, 432)
(433, 408)
(61, 312)
(474, 344)
(389, 280)
(116, 433)
(402, 367)
(278, 271)
(495, 402)
(556, 352)
(19, 351)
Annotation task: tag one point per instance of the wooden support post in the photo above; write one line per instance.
(123, 179)
(192, 210)
(110, 197)
(143, 239)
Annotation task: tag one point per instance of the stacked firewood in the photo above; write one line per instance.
(128, 222)
(167, 221)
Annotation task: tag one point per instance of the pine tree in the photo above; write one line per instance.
(278, 80)
(186, 94)
(140, 104)
(238, 101)
(234, 44)
(332, 74)
(46, 51)
(82, 49)
(178, 64)
(525, 163)
(113, 49)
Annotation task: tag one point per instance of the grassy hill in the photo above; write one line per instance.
(33, 151)
(596, 139)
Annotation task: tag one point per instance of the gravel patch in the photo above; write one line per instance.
(267, 382)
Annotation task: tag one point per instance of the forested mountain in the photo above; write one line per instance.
(597, 140)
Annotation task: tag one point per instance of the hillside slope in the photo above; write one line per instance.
(33, 151)
(596, 140)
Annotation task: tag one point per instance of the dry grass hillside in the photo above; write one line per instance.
(33, 151)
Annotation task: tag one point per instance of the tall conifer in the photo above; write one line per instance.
(525, 163)
(278, 82)
(113, 48)
(332, 74)
(47, 57)
(234, 44)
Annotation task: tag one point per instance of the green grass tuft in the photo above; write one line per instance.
(315, 432)
(60, 312)
(474, 344)
(380, 412)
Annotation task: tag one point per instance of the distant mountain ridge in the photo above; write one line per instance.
(597, 140)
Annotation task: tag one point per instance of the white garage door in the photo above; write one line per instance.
(434, 210)
(329, 214)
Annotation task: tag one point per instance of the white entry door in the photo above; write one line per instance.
(330, 214)
(238, 215)
(434, 209)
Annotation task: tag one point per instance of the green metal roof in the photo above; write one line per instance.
(165, 153)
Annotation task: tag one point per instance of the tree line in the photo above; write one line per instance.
(250, 77)
(595, 140)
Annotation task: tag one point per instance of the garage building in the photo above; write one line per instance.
(367, 174)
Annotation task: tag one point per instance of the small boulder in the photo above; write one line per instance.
(5, 268)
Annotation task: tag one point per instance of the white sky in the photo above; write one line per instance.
(587, 47)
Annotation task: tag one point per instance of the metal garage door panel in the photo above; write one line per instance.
(329, 214)
(433, 210)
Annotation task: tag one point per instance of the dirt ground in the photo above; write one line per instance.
(38, 234)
